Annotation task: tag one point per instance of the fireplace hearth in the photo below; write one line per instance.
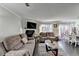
(29, 33)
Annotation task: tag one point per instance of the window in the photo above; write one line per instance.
(46, 28)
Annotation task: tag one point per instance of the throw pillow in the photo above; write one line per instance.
(24, 40)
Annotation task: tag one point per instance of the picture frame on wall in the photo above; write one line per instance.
(55, 25)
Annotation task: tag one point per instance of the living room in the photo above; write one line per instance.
(39, 29)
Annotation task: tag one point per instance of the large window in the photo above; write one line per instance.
(65, 30)
(46, 28)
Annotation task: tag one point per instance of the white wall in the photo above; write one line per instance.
(9, 24)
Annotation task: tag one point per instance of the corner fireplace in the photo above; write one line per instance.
(29, 33)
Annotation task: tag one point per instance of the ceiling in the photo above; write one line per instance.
(45, 11)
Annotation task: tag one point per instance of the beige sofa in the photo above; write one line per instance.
(47, 35)
(13, 46)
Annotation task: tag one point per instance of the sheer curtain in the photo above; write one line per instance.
(46, 28)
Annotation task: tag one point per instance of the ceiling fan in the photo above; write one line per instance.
(27, 4)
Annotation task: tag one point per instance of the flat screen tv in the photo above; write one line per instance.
(31, 25)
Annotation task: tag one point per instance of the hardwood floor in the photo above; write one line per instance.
(70, 50)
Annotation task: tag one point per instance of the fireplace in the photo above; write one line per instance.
(29, 33)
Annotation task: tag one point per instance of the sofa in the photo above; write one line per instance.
(13, 46)
(47, 35)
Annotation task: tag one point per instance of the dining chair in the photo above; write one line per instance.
(73, 39)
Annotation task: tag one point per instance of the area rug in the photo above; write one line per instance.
(42, 51)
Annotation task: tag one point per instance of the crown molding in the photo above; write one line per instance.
(3, 6)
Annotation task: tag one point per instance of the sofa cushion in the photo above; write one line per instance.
(18, 46)
(12, 42)
(29, 47)
(2, 49)
(50, 34)
(43, 34)
(17, 53)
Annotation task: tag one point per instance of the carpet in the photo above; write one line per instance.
(42, 51)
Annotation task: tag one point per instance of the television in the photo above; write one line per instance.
(31, 25)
